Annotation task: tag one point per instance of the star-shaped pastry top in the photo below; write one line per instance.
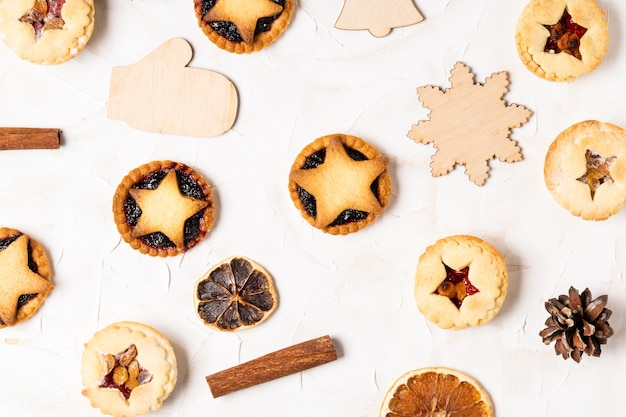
(242, 13)
(341, 183)
(17, 279)
(165, 209)
(598, 171)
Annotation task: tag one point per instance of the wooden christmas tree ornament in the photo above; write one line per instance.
(469, 124)
(160, 94)
(379, 17)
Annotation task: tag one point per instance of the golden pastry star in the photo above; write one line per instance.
(165, 209)
(17, 279)
(242, 13)
(341, 183)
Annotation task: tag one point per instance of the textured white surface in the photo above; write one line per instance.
(313, 81)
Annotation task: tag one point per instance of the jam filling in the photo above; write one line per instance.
(457, 285)
(598, 171)
(45, 15)
(124, 372)
(565, 36)
(24, 298)
(188, 187)
(229, 30)
(308, 200)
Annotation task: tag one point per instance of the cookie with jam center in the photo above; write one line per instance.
(163, 208)
(460, 281)
(243, 26)
(46, 31)
(128, 369)
(340, 183)
(561, 40)
(585, 169)
(24, 276)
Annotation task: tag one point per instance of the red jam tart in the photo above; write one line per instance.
(243, 26)
(163, 208)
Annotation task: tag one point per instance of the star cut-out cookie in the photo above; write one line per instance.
(24, 277)
(585, 169)
(469, 124)
(340, 183)
(163, 208)
(52, 38)
(544, 50)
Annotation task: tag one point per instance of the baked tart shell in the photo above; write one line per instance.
(261, 40)
(360, 145)
(139, 174)
(37, 256)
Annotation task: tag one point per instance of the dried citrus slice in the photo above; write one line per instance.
(235, 294)
(436, 392)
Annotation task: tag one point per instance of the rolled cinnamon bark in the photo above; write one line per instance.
(14, 138)
(274, 365)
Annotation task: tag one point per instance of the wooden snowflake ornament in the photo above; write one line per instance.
(469, 124)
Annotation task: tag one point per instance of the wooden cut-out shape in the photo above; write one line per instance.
(469, 124)
(160, 94)
(377, 16)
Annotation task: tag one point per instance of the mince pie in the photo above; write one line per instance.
(460, 281)
(128, 369)
(243, 26)
(585, 169)
(340, 183)
(46, 31)
(236, 294)
(24, 276)
(163, 208)
(562, 39)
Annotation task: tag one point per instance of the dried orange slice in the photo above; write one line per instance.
(436, 392)
(235, 294)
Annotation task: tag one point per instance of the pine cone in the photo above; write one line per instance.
(577, 324)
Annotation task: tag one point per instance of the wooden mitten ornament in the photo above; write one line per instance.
(160, 94)
(469, 124)
(379, 17)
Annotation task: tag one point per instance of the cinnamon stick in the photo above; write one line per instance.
(14, 138)
(274, 365)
